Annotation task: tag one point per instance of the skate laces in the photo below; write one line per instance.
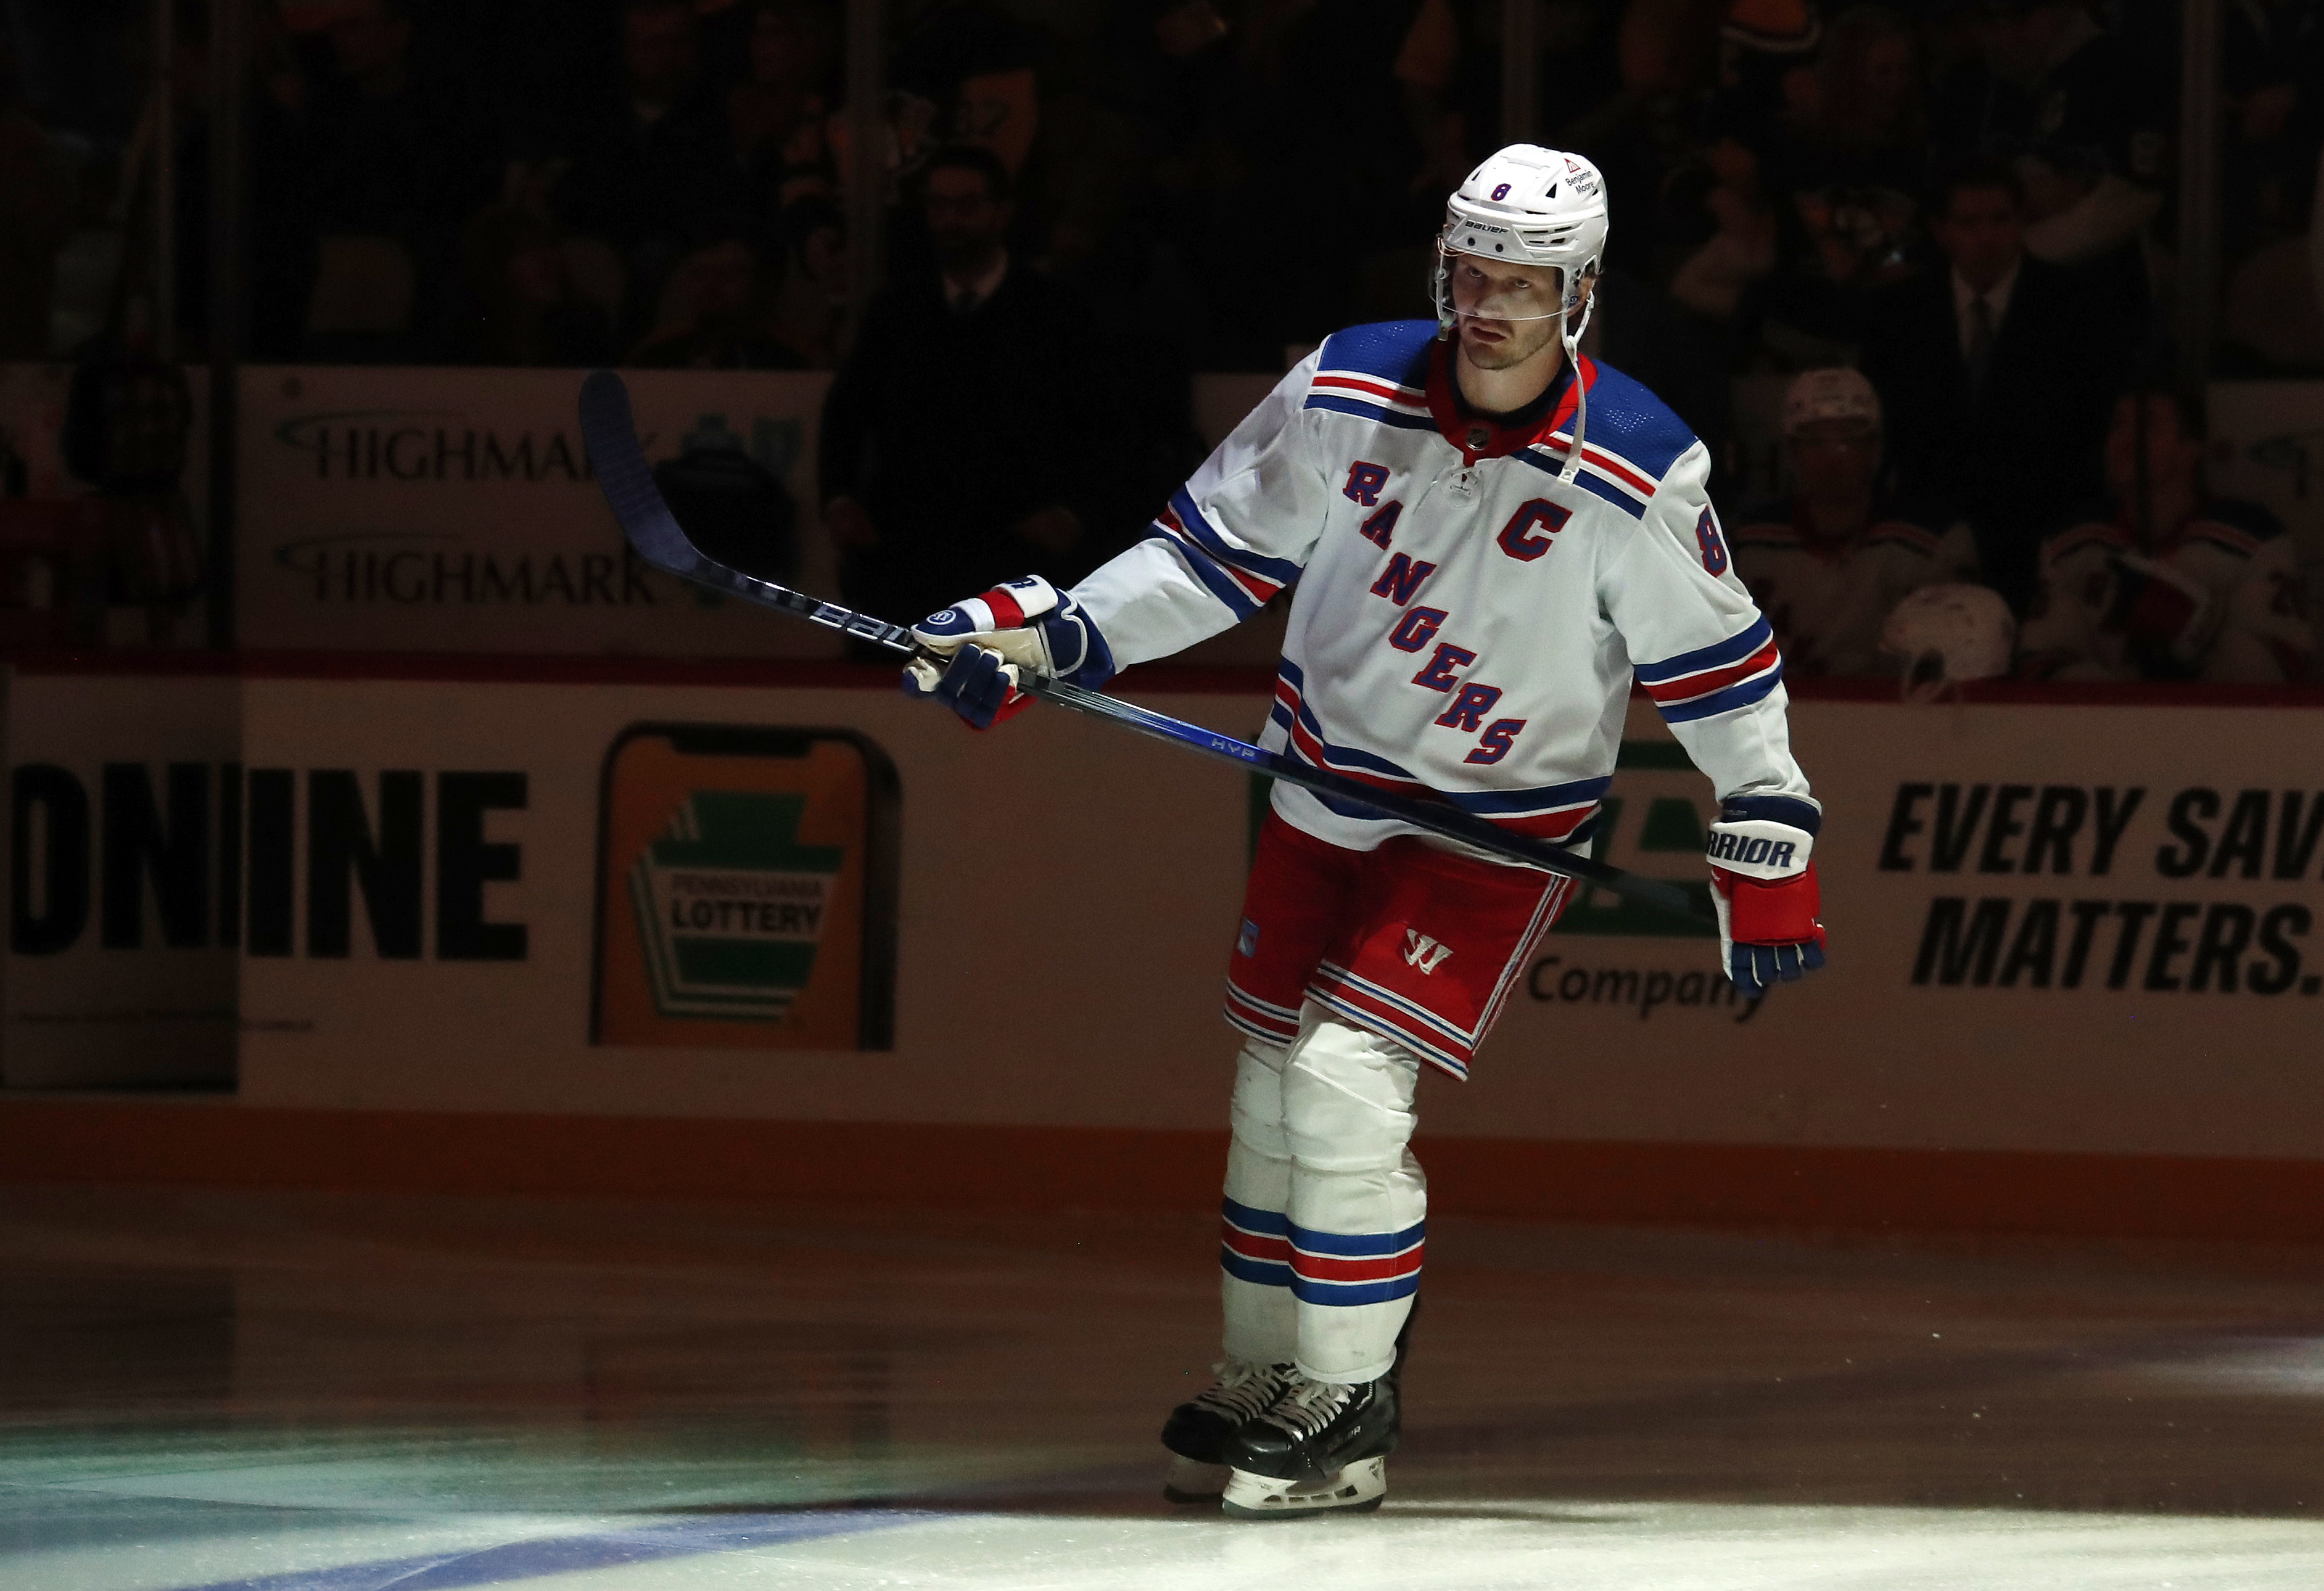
(1243, 1391)
(1308, 1406)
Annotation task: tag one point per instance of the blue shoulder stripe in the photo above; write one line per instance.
(1370, 411)
(1393, 350)
(1627, 419)
(1733, 649)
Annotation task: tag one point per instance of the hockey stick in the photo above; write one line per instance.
(609, 429)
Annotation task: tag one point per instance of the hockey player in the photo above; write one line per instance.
(1490, 539)
(1830, 564)
(2173, 583)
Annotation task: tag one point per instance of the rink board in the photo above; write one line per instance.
(2047, 938)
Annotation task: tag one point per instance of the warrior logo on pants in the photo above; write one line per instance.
(1424, 953)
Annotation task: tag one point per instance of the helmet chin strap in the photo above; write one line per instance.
(1569, 334)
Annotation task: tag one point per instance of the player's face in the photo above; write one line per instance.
(1506, 314)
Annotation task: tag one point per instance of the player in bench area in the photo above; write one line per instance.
(1491, 537)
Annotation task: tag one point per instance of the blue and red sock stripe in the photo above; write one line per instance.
(1343, 1269)
(1255, 1245)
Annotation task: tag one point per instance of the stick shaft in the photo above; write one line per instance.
(611, 431)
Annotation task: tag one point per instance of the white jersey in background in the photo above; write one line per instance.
(1828, 601)
(2248, 622)
(1467, 620)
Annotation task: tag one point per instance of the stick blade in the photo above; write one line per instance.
(609, 429)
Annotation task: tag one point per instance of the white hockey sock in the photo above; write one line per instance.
(1359, 1201)
(1254, 1255)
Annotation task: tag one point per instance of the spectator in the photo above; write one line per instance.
(1994, 374)
(2064, 100)
(2171, 582)
(35, 222)
(281, 257)
(2272, 65)
(812, 294)
(392, 153)
(969, 436)
(778, 115)
(1829, 564)
(2273, 322)
(526, 296)
(653, 172)
(1844, 169)
(713, 316)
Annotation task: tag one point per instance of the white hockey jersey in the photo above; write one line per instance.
(1828, 601)
(1466, 620)
(2255, 628)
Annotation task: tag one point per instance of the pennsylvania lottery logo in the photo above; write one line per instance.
(731, 907)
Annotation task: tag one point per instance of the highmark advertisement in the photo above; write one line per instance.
(746, 891)
(433, 510)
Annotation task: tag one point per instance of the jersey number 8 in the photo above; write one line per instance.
(1707, 536)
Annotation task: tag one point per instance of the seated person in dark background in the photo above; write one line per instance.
(2166, 582)
(519, 301)
(716, 314)
(653, 168)
(973, 431)
(1995, 376)
(1828, 565)
(777, 115)
(1842, 172)
(395, 148)
(810, 239)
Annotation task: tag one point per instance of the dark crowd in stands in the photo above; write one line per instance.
(1973, 203)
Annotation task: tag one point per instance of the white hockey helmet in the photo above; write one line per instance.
(1945, 634)
(1530, 206)
(1836, 394)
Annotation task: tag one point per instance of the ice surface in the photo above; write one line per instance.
(304, 1393)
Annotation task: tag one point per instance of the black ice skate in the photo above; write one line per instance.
(1323, 1447)
(1198, 1430)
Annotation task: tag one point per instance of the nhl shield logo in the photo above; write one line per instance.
(731, 908)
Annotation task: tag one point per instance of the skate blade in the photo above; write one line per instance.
(1359, 1488)
(1191, 1481)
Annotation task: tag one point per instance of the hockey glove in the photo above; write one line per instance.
(1764, 885)
(985, 648)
